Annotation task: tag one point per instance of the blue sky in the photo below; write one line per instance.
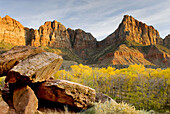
(99, 17)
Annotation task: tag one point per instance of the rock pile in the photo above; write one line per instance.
(28, 71)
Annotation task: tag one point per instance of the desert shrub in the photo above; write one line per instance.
(104, 108)
(112, 108)
(2, 82)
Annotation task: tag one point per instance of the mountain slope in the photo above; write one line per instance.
(124, 56)
(133, 42)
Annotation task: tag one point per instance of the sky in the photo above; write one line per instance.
(99, 17)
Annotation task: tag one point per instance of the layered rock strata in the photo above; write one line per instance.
(35, 68)
(158, 57)
(9, 59)
(66, 92)
(12, 31)
(124, 55)
(52, 34)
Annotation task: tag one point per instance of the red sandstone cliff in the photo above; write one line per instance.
(11, 31)
(52, 34)
(124, 56)
(132, 30)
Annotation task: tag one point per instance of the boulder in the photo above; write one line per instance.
(66, 92)
(9, 59)
(36, 68)
(24, 100)
(4, 108)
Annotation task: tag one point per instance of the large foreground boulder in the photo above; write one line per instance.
(66, 92)
(24, 100)
(9, 59)
(36, 68)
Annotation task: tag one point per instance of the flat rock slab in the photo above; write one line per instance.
(9, 59)
(36, 68)
(66, 92)
(24, 100)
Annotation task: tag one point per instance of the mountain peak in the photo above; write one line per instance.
(8, 17)
(127, 16)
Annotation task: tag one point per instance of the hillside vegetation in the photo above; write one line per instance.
(5, 47)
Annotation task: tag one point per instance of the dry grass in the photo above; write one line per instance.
(104, 108)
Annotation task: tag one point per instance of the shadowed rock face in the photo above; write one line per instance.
(166, 41)
(66, 92)
(4, 108)
(13, 56)
(35, 68)
(81, 42)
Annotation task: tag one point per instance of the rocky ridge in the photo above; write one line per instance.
(133, 30)
(55, 35)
